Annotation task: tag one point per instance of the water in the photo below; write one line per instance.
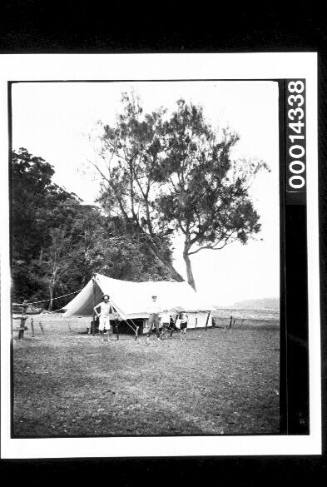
(247, 314)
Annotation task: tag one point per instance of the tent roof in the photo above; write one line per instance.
(132, 299)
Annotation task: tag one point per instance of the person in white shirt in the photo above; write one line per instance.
(104, 314)
(154, 319)
(183, 323)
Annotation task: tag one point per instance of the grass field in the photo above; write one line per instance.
(215, 382)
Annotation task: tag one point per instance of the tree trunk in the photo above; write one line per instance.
(174, 274)
(189, 273)
(51, 292)
(151, 245)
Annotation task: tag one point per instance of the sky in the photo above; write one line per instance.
(54, 121)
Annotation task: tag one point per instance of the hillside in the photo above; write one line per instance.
(264, 303)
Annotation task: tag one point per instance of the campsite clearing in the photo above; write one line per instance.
(215, 382)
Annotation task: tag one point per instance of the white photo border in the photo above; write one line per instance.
(150, 67)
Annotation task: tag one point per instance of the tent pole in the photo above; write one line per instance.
(207, 320)
(134, 327)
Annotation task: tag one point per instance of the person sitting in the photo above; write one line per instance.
(172, 324)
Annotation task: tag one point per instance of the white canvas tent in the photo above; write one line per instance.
(132, 299)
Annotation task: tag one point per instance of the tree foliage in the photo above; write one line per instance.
(173, 174)
(58, 243)
(131, 177)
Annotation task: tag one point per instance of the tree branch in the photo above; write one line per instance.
(145, 196)
(213, 247)
(125, 214)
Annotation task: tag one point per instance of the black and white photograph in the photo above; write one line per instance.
(150, 270)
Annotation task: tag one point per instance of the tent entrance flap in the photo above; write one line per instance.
(97, 297)
(82, 304)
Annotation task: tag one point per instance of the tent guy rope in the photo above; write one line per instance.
(46, 300)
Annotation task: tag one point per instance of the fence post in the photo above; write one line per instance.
(21, 328)
(22, 321)
(41, 327)
(32, 327)
(117, 331)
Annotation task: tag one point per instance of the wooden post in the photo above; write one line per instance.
(117, 330)
(230, 322)
(137, 332)
(21, 328)
(22, 321)
(93, 321)
(32, 327)
(41, 327)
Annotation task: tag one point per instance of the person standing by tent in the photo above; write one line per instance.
(154, 319)
(104, 315)
(183, 323)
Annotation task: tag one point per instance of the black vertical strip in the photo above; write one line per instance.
(297, 320)
(283, 328)
(294, 350)
(296, 300)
